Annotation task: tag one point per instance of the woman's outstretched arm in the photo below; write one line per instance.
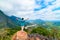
(27, 19)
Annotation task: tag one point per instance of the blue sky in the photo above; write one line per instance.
(32, 9)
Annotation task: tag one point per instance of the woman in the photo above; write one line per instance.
(22, 23)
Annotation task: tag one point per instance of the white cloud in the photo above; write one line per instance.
(48, 14)
(23, 4)
(5, 5)
(25, 8)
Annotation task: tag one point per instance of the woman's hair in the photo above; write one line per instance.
(22, 18)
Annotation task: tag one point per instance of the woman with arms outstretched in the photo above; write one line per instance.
(22, 23)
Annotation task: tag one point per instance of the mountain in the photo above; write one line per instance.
(56, 23)
(5, 21)
(43, 23)
(37, 21)
(13, 18)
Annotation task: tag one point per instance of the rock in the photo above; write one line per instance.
(20, 35)
(37, 37)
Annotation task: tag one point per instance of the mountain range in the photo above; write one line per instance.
(10, 21)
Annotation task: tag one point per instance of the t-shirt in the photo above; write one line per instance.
(21, 22)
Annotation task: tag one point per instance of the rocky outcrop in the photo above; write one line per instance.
(37, 37)
(22, 35)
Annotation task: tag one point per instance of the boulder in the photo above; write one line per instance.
(20, 35)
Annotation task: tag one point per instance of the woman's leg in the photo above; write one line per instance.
(22, 28)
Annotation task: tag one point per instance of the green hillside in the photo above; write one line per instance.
(5, 21)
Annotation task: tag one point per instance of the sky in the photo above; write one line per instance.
(32, 9)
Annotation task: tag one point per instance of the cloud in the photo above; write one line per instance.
(47, 13)
(5, 5)
(23, 4)
(39, 9)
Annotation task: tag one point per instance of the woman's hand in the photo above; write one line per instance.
(16, 18)
(27, 19)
